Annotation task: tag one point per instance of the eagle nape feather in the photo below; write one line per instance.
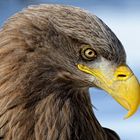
(50, 56)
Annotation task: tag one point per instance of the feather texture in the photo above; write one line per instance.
(42, 96)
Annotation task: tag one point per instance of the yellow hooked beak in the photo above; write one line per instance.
(123, 86)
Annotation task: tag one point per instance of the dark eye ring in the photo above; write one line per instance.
(88, 53)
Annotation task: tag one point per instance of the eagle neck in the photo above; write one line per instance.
(68, 115)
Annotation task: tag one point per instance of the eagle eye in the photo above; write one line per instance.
(88, 53)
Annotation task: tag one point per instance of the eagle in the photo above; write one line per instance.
(50, 55)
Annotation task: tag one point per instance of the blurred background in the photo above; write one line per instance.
(123, 17)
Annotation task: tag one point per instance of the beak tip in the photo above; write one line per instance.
(130, 113)
(127, 116)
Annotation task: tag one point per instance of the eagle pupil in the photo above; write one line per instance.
(90, 53)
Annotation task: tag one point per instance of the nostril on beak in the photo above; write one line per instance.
(121, 75)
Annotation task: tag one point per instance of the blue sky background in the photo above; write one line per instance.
(123, 17)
